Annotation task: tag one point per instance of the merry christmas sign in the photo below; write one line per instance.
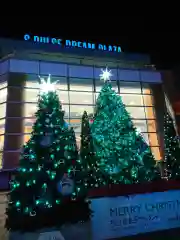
(134, 214)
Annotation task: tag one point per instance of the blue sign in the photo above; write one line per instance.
(72, 43)
(134, 214)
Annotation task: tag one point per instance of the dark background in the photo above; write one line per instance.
(138, 36)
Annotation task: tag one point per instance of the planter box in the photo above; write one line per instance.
(141, 211)
(129, 210)
(69, 232)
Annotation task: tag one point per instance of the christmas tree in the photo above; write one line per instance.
(86, 150)
(121, 150)
(171, 149)
(94, 175)
(48, 189)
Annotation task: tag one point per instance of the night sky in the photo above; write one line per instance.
(164, 47)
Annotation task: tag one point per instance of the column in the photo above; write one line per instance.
(14, 120)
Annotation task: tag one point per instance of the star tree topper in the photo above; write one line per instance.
(46, 85)
(105, 75)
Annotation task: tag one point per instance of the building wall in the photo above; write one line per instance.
(78, 87)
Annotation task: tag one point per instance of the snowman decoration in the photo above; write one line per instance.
(66, 185)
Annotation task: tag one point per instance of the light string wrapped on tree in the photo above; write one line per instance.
(171, 149)
(49, 188)
(121, 151)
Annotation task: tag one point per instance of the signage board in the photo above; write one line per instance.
(134, 214)
(72, 43)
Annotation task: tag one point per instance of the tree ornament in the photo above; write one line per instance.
(46, 141)
(65, 186)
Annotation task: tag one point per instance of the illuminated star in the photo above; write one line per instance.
(105, 75)
(46, 85)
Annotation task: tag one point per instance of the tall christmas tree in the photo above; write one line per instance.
(48, 189)
(95, 177)
(122, 152)
(171, 149)
(86, 150)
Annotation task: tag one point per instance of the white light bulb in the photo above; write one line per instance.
(105, 75)
(46, 85)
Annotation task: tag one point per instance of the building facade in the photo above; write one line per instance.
(77, 72)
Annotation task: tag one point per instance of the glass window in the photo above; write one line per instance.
(81, 97)
(153, 140)
(1, 159)
(1, 142)
(141, 125)
(76, 111)
(156, 153)
(145, 137)
(2, 110)
(81, 84)
(2, 125)
(33, 82)
(99, 83)
(31, 95)
(151, 125)
(3, 84)
(3, 95)
(130, 87)
(31, 108)
(148, 100)
(76, 124)
(146, 88)
(136, 112)
(63, 96)
(150, 113)
(132, 99)
(26, 138)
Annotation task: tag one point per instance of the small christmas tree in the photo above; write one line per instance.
(122, 152)
(171, 149)
(48, 189)
(86, 150)
(94, 175)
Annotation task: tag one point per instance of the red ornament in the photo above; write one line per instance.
(73, 162)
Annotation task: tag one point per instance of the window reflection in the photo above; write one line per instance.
(1, 142)
(2, 110)
(31, 108)
(3, 95)
(81, 97)
(151, 125)
(148, 100)
(81, 84)
(140, 124)
(2, 125)
(145, 137)
(136, 112)
(76, 111)
(150, 113)
(130, 87)
(153, 140)
(33, 82)
(63, 96)
(132, 99)
(146, 88)
(156, 153)
(100, 83)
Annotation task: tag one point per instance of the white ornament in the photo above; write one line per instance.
(105, 75)
(46, 85)
(66, 186)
